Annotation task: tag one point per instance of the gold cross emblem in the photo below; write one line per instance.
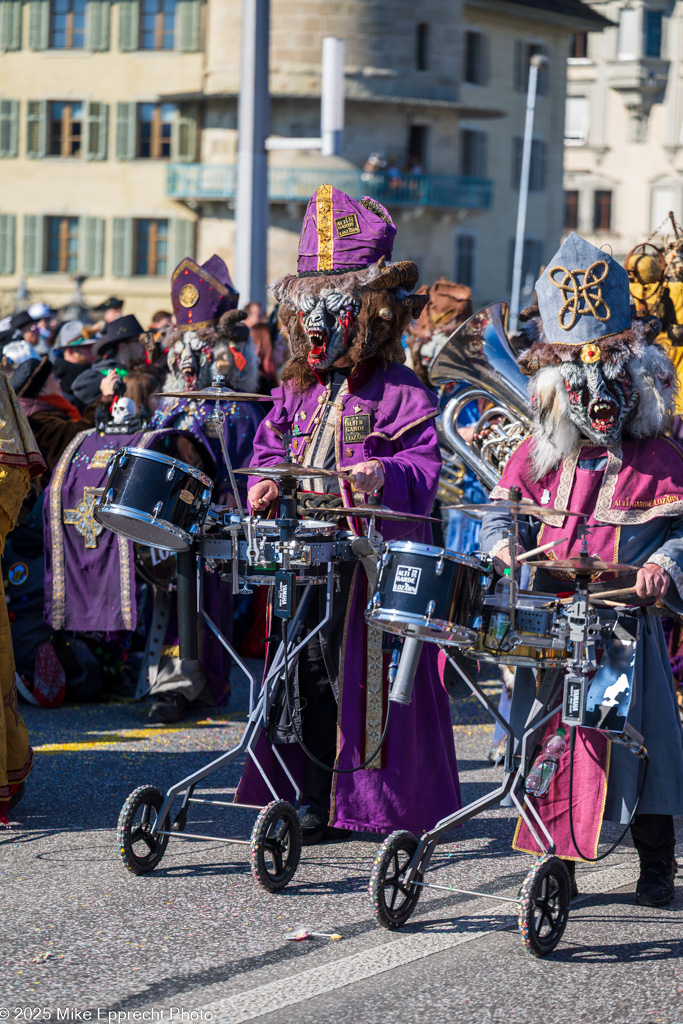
(82, 517)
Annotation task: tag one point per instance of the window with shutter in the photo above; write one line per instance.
(158, 24)
(63, 244)
(96, 131)
(91, 255)
(36, 135)
(475, 64)
(532, 261)
(185, 127)
(34, 244)
(155, 127)
(473, 153)
(182, 241)
(188, 25)
(10, 24)
(9, 127)
(40, 24)
(98, 17)
(537, 164)
(122, 247)
(576, 120)
(464, 259)
(126, 131)
(151, 247)
(8, 230)
(523, 53)
(129, 24)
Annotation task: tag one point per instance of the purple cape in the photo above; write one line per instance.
(417, 783)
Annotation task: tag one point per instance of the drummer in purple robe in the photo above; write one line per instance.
(207, 339)
(348, 403)
(602, 392)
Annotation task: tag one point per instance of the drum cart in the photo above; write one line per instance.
(399, 872)
(287, 553)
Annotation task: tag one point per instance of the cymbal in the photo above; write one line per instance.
(382, 512)
(582, 565)
(291, 471)
(216, 395)
(522, 508)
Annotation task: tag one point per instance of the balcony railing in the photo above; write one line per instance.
(297, 185)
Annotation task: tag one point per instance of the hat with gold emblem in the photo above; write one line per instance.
(201, 294)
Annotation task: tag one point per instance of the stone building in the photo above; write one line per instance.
(118, 131)
(624, 125)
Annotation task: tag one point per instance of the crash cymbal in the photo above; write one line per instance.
(583, 565)
(216, 395)
(367, 511)
(522, 508)
(291, 471)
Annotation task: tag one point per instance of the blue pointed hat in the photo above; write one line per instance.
(583, 294)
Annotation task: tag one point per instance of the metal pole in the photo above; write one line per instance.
(251, 208)
(536, 62)
(332, 96)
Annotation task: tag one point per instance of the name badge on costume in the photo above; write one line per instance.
(356, 428)
(347, 225)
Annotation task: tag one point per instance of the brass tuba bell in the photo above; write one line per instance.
(479, 355)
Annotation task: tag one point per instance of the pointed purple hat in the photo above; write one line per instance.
(201, 294)
(341, 234)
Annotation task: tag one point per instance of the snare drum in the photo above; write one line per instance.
(429, 592)
(154, 499)
(537, 639)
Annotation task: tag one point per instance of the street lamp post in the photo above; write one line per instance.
(537, 62)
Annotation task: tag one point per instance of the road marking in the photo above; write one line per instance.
(123, 735)
(348, 970)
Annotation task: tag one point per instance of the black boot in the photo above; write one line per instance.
(168, 707)
(313, 827)
(571, 868)
(655, 886)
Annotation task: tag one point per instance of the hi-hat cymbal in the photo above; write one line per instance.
(216, 395)
(291, 471)
(381, 511)
(522, 508)
(583, 565)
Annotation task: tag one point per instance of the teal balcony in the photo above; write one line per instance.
(296, 185)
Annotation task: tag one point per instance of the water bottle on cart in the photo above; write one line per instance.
(546, 764)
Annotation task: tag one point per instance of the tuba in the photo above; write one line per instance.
(479, 356)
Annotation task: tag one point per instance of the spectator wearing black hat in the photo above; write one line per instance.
(119, 349)
(52, 418)
(77, 355)
(26, 325)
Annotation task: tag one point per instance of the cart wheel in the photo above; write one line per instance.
(275, 847)
(140, 851)
(544, 905)
(393, 901)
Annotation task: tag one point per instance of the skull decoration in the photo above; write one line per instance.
(123, 409)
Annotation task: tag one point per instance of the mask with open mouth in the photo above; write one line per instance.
(602, 399)
(328, 320)
(189, 362)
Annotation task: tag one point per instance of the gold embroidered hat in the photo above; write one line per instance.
(583, 295)
(341, 234)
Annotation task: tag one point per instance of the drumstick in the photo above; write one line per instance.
(543, 547)
(602, 594)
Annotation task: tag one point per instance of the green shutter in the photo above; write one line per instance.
(10, 24)
(129, 24)
(36, 136)
(96, 131)
(34, 237)
(8, 230)
(187, 26)
(98, 16)
(181, 241)
(40, 24)
(91, 254)
(9, 127)
(126, 131)
(122, 247)
(184, 139)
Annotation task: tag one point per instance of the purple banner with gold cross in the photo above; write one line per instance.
(89, 571)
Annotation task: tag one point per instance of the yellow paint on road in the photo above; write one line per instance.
(106, 739)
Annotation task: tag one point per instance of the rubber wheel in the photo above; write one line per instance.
(392, 900)
(275, 848)
(140, 851)
(544, 905)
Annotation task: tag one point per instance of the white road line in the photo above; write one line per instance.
(303, 985)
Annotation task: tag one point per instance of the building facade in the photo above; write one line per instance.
(118, 135)
(624, 126)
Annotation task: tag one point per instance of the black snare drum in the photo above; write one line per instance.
(154, 499)
(428, 592)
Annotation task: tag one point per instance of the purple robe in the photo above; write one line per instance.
(386, 415)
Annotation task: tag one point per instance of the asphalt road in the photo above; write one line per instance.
(199, 940)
